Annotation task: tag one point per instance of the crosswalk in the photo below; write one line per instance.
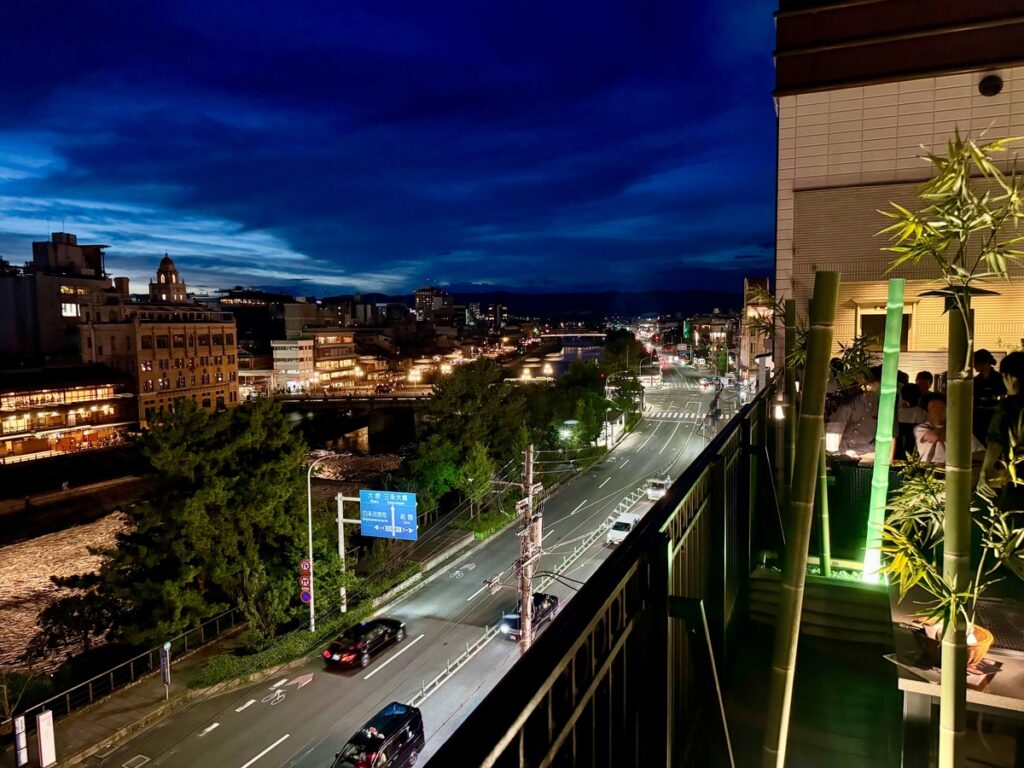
(675, 415)
(688, 385)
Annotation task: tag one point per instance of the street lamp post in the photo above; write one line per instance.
(309, 510)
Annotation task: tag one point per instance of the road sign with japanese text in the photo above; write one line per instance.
(388, 514)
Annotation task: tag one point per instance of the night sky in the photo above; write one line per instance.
(330, 147)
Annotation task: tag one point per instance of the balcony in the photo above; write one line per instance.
(663, 657)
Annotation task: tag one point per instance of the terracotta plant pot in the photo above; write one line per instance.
(932, 647)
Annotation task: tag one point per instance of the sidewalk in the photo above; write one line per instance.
(90, 731)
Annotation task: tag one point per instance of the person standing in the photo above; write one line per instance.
(988, 390)
(1005, 428)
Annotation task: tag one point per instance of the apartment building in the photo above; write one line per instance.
(172, 348)
(863, 91)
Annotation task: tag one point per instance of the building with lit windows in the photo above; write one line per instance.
(430, 302)
(43, 301)
(172, 348)
(334, 357)
(53, 411)
(753, 342)
(293, 365)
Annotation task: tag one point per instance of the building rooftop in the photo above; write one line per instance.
(33, 379)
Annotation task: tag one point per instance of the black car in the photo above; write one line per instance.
(358, 645)
(544, 609)
(393, 738)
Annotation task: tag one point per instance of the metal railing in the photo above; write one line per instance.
(625, 675)
(128, 672)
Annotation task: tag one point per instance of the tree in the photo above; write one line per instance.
(475, 476)
(722, 362)
(622, 352)
(433, 470)
(223, 526)
(959, 230)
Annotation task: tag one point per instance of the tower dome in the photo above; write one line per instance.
(168, 287)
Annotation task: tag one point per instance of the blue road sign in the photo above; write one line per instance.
(387, 514)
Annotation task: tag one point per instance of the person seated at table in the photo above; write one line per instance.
(1006, 424)
(851, 429)
(931, 435)
(909, 414)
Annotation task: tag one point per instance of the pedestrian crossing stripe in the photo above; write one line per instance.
(676, 415)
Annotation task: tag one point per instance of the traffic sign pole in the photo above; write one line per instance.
(342, 522)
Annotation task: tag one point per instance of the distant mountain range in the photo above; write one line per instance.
(594, 305)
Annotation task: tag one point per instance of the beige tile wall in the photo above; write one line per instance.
(872, 135)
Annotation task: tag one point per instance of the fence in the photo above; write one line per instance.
(626, 675)
(125, 674)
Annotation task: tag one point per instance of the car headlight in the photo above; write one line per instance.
(505, 629)
(336, 657)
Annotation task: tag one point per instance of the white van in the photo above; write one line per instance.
(620, 529)
(658, 487)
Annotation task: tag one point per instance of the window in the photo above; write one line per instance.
(146, 365)
(218, 339)
(205, 379)
(69, 310)
(163, 342)
(220, 403)
(127, 343)
(230, 338)
(220, 377)
(191, 340)
(204, 339)
(181, 381)
(147, 385)
(218, 359)
(164, 364)
(193, 382)
(234, 397)
(67, 290)
(178, 340)
(113, 343)
(231, 359)
(164, 382)
(99, 350)
(872, 327)
(234, 376)
(206, 402)
(147, 342)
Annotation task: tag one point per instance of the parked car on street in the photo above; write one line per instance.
(544, 609)
(620, 529)
(393, 738)
(362, 642)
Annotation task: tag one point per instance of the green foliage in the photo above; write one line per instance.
(433, 469)
(622, 352)
(476, 476)
(71, 626)
(722, 362)
(222, 527)
(486, 524)
(20, 688)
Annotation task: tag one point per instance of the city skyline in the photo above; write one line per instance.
(367, 149)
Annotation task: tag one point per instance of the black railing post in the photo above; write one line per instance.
(717, 511)
(655, 649)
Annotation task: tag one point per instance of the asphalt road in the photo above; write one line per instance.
(305, 716)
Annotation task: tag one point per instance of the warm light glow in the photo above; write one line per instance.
(548, 370)
(780, 414)
(414, 376)
(525, 374)
(446, 368)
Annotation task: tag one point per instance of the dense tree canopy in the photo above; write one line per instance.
(223, 527)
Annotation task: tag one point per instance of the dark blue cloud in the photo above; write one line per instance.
(368, 145)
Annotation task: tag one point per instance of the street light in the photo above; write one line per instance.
(309, 510)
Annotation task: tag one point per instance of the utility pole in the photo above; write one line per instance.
(529, 551)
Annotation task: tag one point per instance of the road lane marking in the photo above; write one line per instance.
(623, 463)
(261, 754)
(667, 442)
(208, 729)
(578, 508)
(602, 485)
(651, 437)
(247, 704)
(279, 683)
(406, 648)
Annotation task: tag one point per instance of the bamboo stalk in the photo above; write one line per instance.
(790, 402)
(821, 502)
(883, 432)
(801, 508)
(956, 558)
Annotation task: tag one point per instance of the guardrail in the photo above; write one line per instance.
(625, 674)
(128, 672)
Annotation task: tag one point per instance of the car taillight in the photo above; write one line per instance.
(327, 654)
